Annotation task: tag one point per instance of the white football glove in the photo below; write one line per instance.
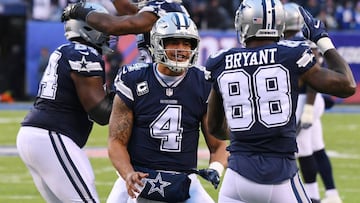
(307, 116)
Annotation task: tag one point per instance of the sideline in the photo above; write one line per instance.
(203, 154)
(93, 152)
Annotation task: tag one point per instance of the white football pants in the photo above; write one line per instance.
(60, 169)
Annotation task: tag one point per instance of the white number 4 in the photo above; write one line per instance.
(167, 128)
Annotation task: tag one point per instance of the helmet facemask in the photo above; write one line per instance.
(175, 26)
(177, 60)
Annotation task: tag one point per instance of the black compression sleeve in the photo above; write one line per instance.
(101, 112)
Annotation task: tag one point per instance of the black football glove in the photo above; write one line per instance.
(210, 175)
(313, 29)
(75, 11)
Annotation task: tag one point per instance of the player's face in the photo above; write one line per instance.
(178, 49)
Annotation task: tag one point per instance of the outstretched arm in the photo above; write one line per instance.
(122, 25)
(109, 24)
(124, 7)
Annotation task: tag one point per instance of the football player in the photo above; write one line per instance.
(255, 91)
(158, 111)
(70, 98)
(137, 19)
(310, 107)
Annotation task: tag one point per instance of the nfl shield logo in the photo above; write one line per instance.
(169, 92)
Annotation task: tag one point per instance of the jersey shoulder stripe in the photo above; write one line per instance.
(84, 65)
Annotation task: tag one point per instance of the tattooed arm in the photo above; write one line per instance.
(120, 126)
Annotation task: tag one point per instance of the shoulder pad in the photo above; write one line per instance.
(85, 66)
(85, 49)
(293, 43)
(207, 73)
(134, 67)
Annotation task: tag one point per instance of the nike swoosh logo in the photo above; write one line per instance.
(317, 25)
(84, 53)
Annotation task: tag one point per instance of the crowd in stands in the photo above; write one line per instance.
(219, 14)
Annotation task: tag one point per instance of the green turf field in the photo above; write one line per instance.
(341, 136)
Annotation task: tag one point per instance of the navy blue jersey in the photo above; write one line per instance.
(159, 8)
(166, 118)
(57, 106)
(299, 37)
(259, 87)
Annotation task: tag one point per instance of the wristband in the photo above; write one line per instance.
(81, 12)
(308, 109)
(217, 166)
(86, 14)
(325, 44)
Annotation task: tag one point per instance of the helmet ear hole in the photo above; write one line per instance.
(194, 44)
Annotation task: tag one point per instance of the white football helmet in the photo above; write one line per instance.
(293, 18)
(78, 28)
(174, 25)
(259, 18)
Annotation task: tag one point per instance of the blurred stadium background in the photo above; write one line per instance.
(29, 26)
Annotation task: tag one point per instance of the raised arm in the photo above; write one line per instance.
(112, 25)
(338, 80)
(124, 7)
(122, 25)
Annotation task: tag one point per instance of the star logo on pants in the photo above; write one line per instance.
(158, 185)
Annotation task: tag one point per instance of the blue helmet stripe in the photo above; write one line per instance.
(264, 14)
(187, 23)
(273, 14)
(268, 23)
(179, 22)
